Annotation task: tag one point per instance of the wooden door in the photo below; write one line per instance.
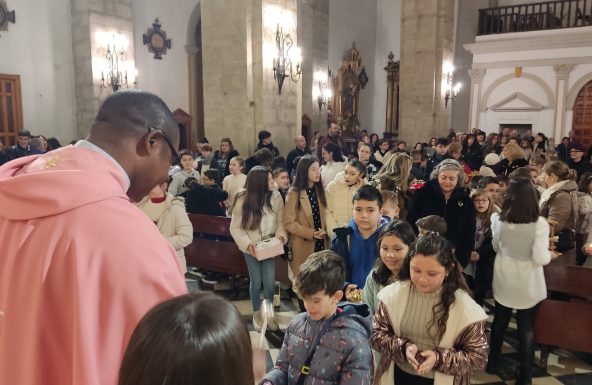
(582, 116)
(11, 113)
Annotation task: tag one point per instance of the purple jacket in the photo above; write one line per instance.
(343, 355)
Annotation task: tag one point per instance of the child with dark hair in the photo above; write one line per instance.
(206, 198)
(328, 344)
(282, 181)
(258, 216)
(177, 186)
(521, 240)
(434, 223)
(444, 345)
(206, 161)
(356, 242)
(265, 142)
(189, 339)
(393, 243)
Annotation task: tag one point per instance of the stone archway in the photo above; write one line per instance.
(582, 115)
(195, 69)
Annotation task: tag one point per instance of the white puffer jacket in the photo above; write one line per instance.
(172, 222)
(339, 204)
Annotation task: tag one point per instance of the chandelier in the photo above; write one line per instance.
(114, 79)
(286, 63)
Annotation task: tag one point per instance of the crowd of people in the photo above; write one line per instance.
(393, 252)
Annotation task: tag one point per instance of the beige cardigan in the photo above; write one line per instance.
(271, 223)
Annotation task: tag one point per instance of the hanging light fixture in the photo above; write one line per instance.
(287, 63)
(322, 92)
(114, 79)
(451, 90)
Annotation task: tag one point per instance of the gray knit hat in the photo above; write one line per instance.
(449, 164)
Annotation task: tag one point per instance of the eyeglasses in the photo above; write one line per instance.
(175, 155)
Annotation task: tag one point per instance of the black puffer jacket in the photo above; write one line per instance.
(458, 212)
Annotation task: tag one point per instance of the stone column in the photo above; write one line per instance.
(476, 75)
(562, 72)
(240, 92)
(427, 32)
(88, 19)
(313, 39)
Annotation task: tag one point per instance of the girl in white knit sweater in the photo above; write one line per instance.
(521, 240)
(234, 182)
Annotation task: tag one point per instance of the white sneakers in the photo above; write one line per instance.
(272, 324)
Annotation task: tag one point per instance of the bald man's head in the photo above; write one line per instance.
(300, 142)
(131, 113)
(138, 130)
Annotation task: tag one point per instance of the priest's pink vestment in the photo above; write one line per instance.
(79, 266)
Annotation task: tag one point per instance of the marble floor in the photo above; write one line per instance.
(564, 367)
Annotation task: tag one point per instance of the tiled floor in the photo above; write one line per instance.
(564, 368)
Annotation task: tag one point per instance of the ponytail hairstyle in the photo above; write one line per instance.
(433, 244)
(361, 167)
(560, 170)
(256, 197)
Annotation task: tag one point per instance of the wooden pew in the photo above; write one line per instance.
(214, 249)
(565, 324)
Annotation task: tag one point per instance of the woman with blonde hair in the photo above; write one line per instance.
(558, 202)
(395, 175)
(513, 158)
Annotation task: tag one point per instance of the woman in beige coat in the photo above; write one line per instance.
(304, 213)
(169, 215)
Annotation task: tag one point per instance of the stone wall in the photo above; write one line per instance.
(88, 18)
(426, 42)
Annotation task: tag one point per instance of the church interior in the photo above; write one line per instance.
(405, 70)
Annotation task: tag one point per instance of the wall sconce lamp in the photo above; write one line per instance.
(363, 77)
(114, 79)
(451, 90)
(322, 92)
(286, 64)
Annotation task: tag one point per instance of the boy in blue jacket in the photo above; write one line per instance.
(357, 243)
(328, 344)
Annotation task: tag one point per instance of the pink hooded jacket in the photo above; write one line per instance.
(79, 266)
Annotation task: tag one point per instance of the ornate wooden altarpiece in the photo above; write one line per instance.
(346, 93)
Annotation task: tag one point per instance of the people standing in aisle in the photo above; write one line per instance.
(100, 263)
(521, 240)
(304, 213)
(282, 181)
(333, 136)
(438, 156)
(393, 244)
(419, 347)
(257, 216)
(207, 161)
(265, 142)
(444, 195)
(513, 158)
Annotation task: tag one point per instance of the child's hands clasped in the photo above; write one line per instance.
(423, 361)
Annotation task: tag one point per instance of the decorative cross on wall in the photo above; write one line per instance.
(156, 40)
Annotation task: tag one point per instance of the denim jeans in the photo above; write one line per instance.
(260, 272)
